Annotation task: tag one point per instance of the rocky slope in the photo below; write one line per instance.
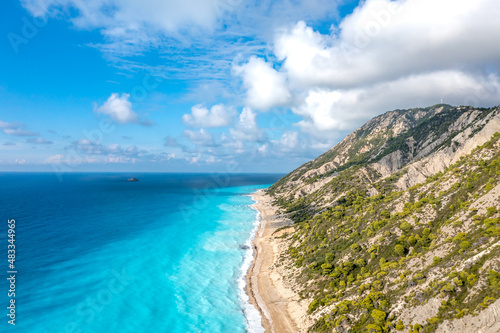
(397, 228)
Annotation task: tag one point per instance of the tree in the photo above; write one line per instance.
(399, 250)
(491, 211)
(412, 240)
(385, 214)
(405, 226)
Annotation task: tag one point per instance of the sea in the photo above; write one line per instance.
(94, 253)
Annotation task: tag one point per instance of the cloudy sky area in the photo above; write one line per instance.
(227, 85)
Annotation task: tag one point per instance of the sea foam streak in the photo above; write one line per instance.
(253, 317)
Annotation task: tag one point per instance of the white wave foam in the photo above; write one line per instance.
(253, 317)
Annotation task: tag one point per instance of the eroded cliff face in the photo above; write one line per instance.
(398, 226)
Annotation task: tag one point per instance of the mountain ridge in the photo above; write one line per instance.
(383, 220)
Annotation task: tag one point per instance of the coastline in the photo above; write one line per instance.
(280, 307)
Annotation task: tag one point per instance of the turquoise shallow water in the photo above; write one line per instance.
(165, 254)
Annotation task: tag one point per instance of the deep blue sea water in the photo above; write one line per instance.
(96, 254)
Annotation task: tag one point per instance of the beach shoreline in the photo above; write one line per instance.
(281, 309)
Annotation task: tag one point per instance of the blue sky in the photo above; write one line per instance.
(226, 85)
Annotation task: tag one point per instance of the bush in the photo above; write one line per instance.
(327, 268)
(360, 262)
(399, 250)
(405, 226)
(378, 316)
(491, 211)
(385, 214)
(355, 247)
(448, 288)
(416, 328)
(461, 236)
(374, 328)
(465, 245)
(436, 260)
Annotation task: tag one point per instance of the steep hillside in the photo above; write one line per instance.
(397, 227)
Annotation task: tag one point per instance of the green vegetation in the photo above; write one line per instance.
(363, 245)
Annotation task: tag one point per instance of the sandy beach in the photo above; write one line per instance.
(269, 291)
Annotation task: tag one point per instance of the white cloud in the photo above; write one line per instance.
(384, 40)
(247, 128)
(126, 16)
(4, 125)
(19, 132)
(217, 116)
(326, 111)
(131, 27)
(201, 138)
(266, 87)
(16, 129)
(289, 140)
(119, 109)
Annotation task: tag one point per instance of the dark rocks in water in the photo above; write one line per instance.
(131, 180)
(244, 247)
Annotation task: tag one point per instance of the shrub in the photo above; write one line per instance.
(355, 247)
(313, 306)
(399, 250)
(461, 236)
(372, 328)
(400, 326)
(378, 316)
(360, 262)
(494, 279)
(327, 268)
(405, 226)
(491, 211)
(487, 301)
(385, 214)
(436, 260)
(448, 288)
(465, 245)
(416, 328)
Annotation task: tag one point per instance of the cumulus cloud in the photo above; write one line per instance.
(266, 87)
(384, 40)
(247, 128)
(119, 109)
(325, 111)
(218, 116)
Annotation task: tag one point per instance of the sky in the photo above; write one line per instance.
(226, 85)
